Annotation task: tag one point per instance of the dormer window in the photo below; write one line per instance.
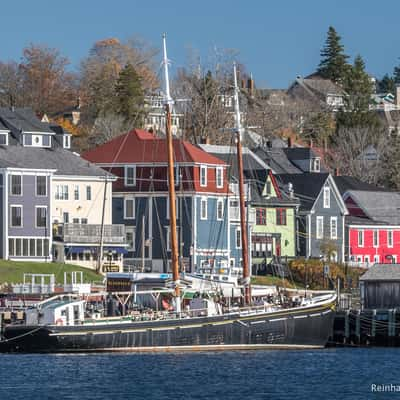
(316, 164)
(4, 138)
(130, 175)
(67, 142)
(37, 140)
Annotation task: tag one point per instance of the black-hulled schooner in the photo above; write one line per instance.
(60, 324)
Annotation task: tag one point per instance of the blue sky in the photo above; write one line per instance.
(277, 40)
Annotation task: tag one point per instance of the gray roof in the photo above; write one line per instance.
(382, 272)
(378, 205)
(306, 186)
(3, 127)
(346, 183)
(64, 161)
(23, 119)
(277, 160)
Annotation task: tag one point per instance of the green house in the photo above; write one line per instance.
(273, 233)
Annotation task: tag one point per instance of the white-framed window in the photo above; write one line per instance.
(359, 259)
(220, 209)
(177, 175)
(394, 257)
(37, 140)
(219, 177)
(16, 185)
(366, 259)
(376, 258)
(168, 237)
(375, 236)
(16, 216)
(130, 237)
(88, 192)
(360, 235)
(28, 247)
(333, 227)
(315, 164)
(327, 197)
(41, 185)
(75, 220)
(238, 238)
(129, 208)
(66, 217)
(320, 227)
(4, 139)
(84, 221)
(76, 192)
(203, 208)
(67, 141)
(390, 238)
(203, 175)
(61, 192)
(41, 216)
(130, 175)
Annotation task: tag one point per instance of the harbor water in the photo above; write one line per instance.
(340, 373)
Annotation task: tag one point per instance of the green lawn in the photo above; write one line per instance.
(13, 271)
(273, 280)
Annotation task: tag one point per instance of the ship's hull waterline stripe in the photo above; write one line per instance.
(110, 330)
(218, 347)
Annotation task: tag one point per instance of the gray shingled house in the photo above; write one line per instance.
(321, 217)
(34, 159)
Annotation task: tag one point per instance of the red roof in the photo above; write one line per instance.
(138, 146)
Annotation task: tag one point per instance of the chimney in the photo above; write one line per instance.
(289, 142)
(290, 190)
(398, 96)
(204, 140)
(243, 84)
(250, 85)
(336, 172)
(311, 143)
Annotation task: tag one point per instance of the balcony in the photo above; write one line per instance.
(90, 234)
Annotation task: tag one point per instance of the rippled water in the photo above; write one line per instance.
(325, 374)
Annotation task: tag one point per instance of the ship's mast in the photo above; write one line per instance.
(171, 183)
(243, 224)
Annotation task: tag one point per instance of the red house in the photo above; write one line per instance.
(373, 227)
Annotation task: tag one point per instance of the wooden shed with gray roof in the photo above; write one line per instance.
(380, 287)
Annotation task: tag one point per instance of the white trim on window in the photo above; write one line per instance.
(36, 185)
(203, 208)
(11, 184)
(220, 209)
(319, 230)
(36, 216)
(130, 181)
(327, 197)
(376, 258)
(130, 230)
(333, 227)
(22, 216)
(390, 238)
(6, 135)
(360, 238)
(126, 216)
(238, 238)
(203, 175)
(375, 238)
(219, 177)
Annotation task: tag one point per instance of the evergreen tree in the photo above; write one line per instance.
(129, 96)
(358, 87)
(396, 75)
(333, 64)
(387, 84)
